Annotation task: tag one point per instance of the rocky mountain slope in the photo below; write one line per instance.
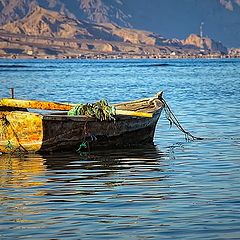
(45, 29)
(41, 22)
(170, 18)
(91, 10)
(204, 43)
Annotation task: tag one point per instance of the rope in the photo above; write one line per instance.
(6, 123)
(82, 145)
(87, 138)
(10, 148)
(100, 110)
(173, 120)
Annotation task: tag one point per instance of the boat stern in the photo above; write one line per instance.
(20, 131)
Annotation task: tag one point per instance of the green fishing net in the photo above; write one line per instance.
(101, 110)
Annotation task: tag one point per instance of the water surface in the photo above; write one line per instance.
(172, 190)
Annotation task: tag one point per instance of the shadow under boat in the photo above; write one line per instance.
(104, 159)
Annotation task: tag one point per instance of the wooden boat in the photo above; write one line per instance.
(22, 130)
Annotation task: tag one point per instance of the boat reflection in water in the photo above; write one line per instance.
(22, 181)
(39, 191)
(99, 171)
(19, 171)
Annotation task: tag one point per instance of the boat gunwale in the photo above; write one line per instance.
(62, 115)
(81, 118)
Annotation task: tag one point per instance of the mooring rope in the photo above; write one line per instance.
(173, 120)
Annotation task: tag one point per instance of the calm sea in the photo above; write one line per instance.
(172, 190)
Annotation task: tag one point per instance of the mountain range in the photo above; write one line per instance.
(220, 19)
(58, 27)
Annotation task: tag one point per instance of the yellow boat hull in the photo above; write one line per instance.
(21, 131)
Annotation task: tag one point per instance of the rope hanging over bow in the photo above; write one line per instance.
(173, 120)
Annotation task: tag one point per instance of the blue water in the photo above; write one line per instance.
(173, 190)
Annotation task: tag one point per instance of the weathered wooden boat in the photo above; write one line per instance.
(22, 130)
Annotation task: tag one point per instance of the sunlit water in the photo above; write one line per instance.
(172, 190)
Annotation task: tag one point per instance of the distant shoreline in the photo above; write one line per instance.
(120, 56)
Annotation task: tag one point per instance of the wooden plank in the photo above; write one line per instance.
(133, 113)
(36, 104)
(59, 106)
